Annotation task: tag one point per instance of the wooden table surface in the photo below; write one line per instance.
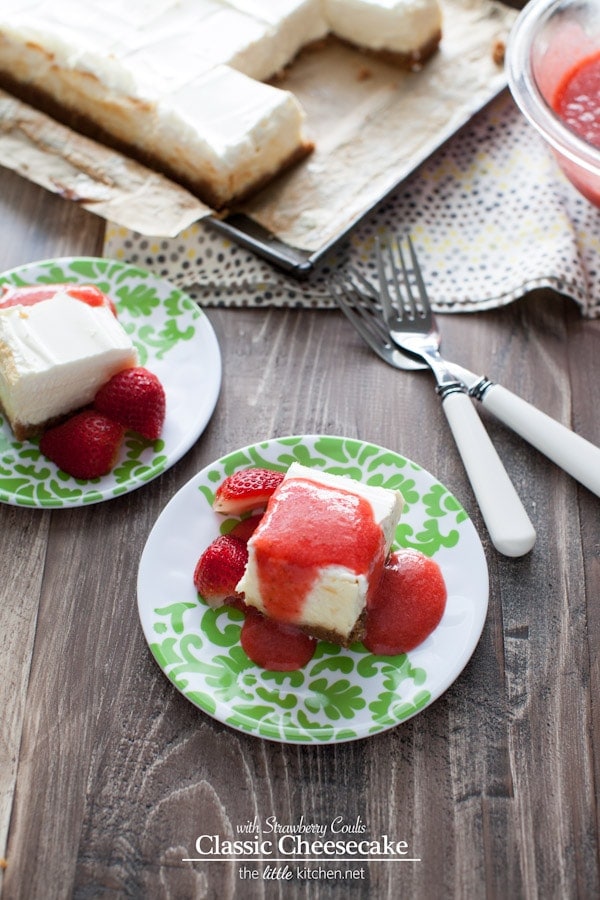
(108, 775)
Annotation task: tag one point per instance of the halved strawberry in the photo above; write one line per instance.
(245, 490)
(85, 446)
(136, 399)
(219, 569)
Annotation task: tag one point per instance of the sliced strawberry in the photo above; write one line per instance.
(245, 528)
(245, 490)
(85, 446)
(136, 399)
(219, 569)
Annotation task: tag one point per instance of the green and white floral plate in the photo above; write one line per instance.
(341, 695)
(174, 340)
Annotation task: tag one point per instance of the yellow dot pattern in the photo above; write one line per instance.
(491, 214)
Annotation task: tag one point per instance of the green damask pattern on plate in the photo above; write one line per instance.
(174, 339)
(340, 695)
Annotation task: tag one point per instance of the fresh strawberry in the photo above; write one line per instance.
(245, 490)
(219, 569)
(85, 446)
(136, 399)
(245, 528)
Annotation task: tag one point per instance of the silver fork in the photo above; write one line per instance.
(401, 317)
(579, 457)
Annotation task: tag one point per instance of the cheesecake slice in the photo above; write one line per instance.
(294, 24)
(54, 356)
(225, 135)
(317, 556)
(178, 84)
(174, 85)
(403, 32)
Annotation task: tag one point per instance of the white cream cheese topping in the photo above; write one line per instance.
(142, 69)
(400, 26)
(55, 354)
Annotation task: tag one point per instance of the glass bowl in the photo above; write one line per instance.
(547, 41)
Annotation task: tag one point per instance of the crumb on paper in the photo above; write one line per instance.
(280, 75)
(318, 44)
(498, 51)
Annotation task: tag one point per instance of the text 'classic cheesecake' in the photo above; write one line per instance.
(318, 553)
(55, 353)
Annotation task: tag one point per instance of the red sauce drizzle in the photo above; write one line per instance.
(408, 605)
(403, 611)
(577, 98)
(274, 645)
(406, 608)
(30, 294)
(309, 527)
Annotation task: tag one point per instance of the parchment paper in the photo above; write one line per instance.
(371, 123)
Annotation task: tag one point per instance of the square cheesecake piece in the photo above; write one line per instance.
(317, 556)
(178, 84)
(54, 355)
(250, 131)
(403, 32)
(171, 84)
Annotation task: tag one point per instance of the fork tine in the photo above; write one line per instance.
(405, 302)
(412, 304)
(352, 302)
(384, 293)
(366, 323)
(411, 301)
(425, 305)
(371, 293)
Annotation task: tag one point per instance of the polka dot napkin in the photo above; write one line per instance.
(491, 215)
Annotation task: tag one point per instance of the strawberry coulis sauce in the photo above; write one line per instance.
(403, 611)
(315, 513)
(275, 645)
(31, 294)
(577, 98)
(407, 606)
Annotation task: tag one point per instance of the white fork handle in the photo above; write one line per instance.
(508, 524)
(570, 451)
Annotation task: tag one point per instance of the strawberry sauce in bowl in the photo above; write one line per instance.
(553, 68)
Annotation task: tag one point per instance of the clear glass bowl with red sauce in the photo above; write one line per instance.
(553, 70)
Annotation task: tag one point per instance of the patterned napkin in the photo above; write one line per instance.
(491, 215)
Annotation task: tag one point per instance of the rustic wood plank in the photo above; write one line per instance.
(24, 535)
(39, 225)
(24, 215)
(492, 787)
